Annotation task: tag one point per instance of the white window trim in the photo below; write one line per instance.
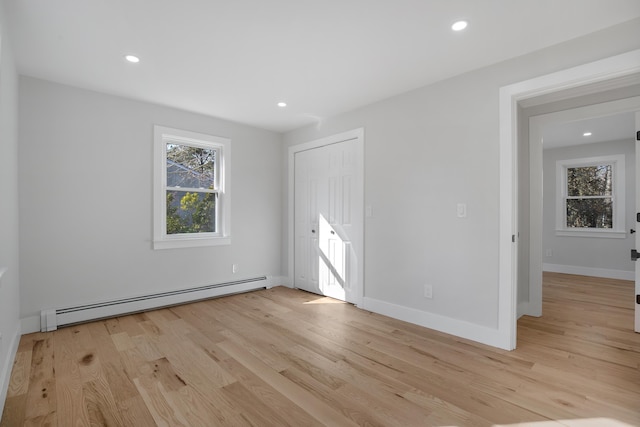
(619, 225)
(161, 240)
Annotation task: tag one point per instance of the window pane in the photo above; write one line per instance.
(590, 213)
(190, 166)
(590, 181)
(191, 212)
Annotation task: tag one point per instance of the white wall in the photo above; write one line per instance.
(9, 272)
(427, 150)
(589, 255)
(85, 169)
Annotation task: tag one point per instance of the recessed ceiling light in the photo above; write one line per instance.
(587, 134)
(132, 58)
(459, 25)
(282, 104)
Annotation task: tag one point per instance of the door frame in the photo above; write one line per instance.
(358, 244)
(555, 86)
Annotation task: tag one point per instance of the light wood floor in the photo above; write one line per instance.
(284, 357)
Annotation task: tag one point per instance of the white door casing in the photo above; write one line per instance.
(326, 205)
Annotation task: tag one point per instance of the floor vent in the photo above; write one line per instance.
(51, 319)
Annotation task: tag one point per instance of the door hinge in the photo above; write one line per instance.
(638, 135)
(513, 238)
(637, 299)
(634, 255)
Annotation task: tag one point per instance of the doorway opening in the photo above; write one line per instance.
(611, 74)
(553, 138)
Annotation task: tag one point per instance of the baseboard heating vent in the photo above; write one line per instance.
(51, 319)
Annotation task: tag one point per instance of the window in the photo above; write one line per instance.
(191, 183)
(590, 198)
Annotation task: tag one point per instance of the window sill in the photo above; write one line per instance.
(192, 242)
(606, 234)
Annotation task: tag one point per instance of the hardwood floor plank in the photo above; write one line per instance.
(253, 410)
(164, 373)
(134, 412)
(360, 415)
(444, 413)
(145, 347)
(71, 404)
(14, 411)
(193, 364)
(19, 383)
(207, 410)
(129, 324)
(111, 362)
(266, 394)
(41, 396)
(101, 405)
(163, 410)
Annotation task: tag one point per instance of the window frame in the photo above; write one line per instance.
(617, 163)
(161, 240)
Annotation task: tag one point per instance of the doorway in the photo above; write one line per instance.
(610, 73)
(326, 210)
(615, 123)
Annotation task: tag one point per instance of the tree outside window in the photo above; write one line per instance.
(590, 197)
(193, 210)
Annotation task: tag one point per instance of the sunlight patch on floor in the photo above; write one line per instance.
(325, 300)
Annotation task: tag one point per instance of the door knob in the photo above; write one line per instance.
(632, 231)
(313, 231)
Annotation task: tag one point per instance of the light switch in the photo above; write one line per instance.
(461, 210)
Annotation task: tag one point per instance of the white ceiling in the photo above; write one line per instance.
(603, 129)
(236, 59)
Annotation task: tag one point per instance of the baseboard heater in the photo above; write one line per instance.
(51, 319)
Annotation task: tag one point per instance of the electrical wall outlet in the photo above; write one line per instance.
(234, 268)
(428, 291)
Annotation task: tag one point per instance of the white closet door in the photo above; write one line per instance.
(325, 184)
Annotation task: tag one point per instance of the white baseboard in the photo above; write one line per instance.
(448, 325)
(283, 281)
(5, 374)
(279, 281)
(30, 324)
(523, 309)
(589, 271)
